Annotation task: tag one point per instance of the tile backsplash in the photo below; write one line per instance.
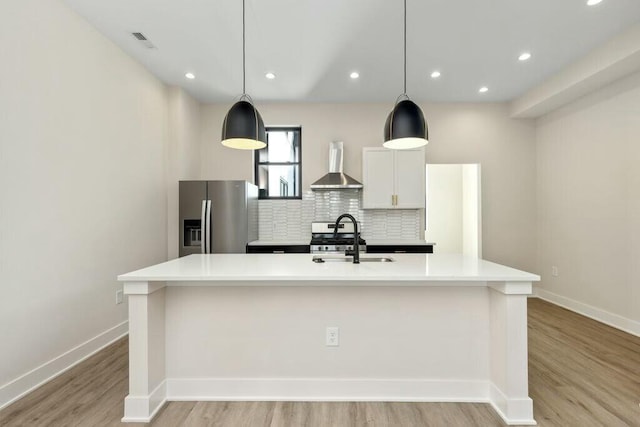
(290, 220)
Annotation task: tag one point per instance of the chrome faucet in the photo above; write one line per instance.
(356, 245)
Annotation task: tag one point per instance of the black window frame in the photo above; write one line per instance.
(257, 163)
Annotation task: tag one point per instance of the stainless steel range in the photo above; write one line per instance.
(322, 240)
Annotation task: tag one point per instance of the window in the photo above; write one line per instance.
(278, 166)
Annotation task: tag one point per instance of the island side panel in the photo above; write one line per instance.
(396, 343)
(147, 388)
(509, 390)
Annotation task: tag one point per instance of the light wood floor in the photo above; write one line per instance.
(581, 373)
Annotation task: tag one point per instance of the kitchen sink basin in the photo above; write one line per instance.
(321, 259)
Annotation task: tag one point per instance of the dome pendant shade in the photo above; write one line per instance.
(243, 127)
(405, 127)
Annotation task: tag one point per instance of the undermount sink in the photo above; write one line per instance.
(321, 259)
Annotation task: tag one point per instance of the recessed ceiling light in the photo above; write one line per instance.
(593, 2)
(354, 75)
(190, 76)
(524, 56)
(435, 74)
(483, 89)
(270, 76)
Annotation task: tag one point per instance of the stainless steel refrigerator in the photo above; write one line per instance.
(217, 216)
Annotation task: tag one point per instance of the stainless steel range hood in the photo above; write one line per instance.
(335, 179)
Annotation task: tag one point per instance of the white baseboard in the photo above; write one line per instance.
(14, 390)
(616, 321)
(326, 390)
(512, 411)
(142, 409)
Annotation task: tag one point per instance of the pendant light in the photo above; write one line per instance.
(405, 126)
(243, 127)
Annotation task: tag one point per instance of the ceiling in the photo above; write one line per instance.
(312, 46)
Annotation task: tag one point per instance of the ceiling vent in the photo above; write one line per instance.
(144, 40)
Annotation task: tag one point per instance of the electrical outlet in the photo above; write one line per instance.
(554, 271)
(333, 336)
(119, 296)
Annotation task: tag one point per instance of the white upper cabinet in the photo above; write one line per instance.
(393, 179)
(410, 179)
(378, 178)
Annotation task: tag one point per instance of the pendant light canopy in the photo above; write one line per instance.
(405, 126)
(243, 127)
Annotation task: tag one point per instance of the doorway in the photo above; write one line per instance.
(453, 217)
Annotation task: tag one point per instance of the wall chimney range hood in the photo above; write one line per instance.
(336, 179)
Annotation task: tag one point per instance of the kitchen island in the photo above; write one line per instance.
(425, 327)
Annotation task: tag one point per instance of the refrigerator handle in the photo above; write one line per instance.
(208, 237)
(203, 229)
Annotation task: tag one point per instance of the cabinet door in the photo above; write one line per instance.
(377, 177)
(410, 179)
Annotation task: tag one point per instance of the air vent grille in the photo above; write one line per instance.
(144, 40)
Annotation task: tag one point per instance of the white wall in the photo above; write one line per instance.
(183, 155)
(458, 133)
(83, 140)
(589, 204)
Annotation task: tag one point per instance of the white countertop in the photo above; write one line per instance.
(299, 267)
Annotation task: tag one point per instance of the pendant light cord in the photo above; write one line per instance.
(405, 47)
(243, 52)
